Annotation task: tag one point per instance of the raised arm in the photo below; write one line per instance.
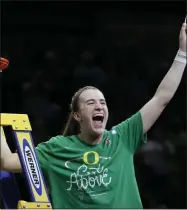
(167, 88)
(9, 161)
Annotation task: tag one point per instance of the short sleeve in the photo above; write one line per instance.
(131, 132)
(44, 152)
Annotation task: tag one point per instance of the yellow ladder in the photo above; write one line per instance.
(25, 147)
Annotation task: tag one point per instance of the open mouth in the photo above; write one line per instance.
(98, 119)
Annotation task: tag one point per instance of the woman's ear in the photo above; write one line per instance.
(77, 116)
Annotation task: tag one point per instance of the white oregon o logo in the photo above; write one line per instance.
(96, 158)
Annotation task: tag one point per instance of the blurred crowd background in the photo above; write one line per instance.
(123, 48)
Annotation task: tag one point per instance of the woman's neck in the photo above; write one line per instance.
(89, 139)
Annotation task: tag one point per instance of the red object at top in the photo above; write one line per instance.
(3, 63)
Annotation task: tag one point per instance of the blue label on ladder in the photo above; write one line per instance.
(32, 167)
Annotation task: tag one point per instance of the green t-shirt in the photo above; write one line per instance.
(79, 175)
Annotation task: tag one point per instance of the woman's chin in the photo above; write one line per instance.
(98, 131)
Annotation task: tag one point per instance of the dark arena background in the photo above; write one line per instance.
(123, 48)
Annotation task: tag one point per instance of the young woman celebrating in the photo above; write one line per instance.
(93, 167)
